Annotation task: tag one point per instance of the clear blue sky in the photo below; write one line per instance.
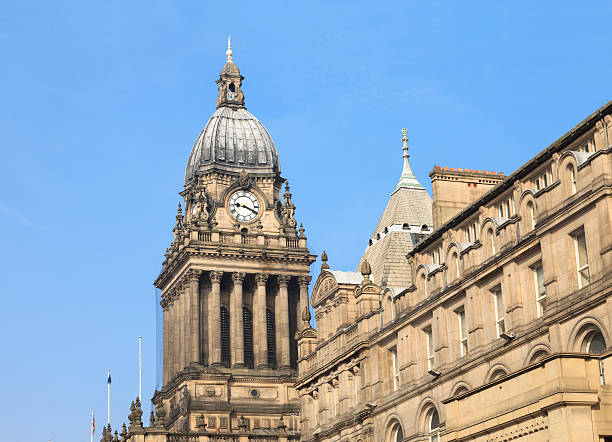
(102, 101)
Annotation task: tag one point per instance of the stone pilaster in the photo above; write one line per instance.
(260, 323)
(164, 305)
(186, 335)
(282, 322)
(194, 316)
(237, 338)
(214, 319)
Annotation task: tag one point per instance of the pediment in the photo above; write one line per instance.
(325, 286)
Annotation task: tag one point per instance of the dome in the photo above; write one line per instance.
(233, 139)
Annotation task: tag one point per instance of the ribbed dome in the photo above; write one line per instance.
(233, 138)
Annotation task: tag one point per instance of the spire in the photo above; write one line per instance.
(229, 49)
(407, 179)
(230, 83)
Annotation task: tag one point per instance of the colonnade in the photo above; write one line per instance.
(192, 319)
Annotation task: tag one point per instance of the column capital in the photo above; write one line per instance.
(304, 281)
(238, 277)
(193, 274)
(261, 278)
(283, 280)
(215, 276)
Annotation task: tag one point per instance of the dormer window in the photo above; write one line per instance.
(541, 181)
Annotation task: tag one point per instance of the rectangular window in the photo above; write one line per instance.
(537, 183)
(499, 312)
(508, 210)
(540, 290)
(500, 211)
(463, 332)
(582, 259)
(545, 179)
(430, 348)
(468, 236)
(394, 368)
(474, 232)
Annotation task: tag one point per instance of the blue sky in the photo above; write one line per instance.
(102, 101)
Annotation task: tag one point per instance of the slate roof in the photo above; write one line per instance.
(233, 138)
(408, 209)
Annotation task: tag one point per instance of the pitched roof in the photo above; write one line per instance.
(408, 210)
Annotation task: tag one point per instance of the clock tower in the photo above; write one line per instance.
(234, 283)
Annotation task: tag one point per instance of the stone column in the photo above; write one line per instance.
(236, 320)
(164, 306)
(282, 323)
(303, 282)
(194, 316)
(214, 319)
(260, 341)
(187, 319)
(180, 326)
(173, 345)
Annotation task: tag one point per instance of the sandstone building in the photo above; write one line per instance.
(484, 314)
(502, 325)
(234, 283)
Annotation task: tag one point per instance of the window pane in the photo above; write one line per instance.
(499, 304)
(584, 277)
(597, 344)
(434, 421)
(540, 276)
(582, 251)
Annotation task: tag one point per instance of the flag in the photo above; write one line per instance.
(93, 423)
(109, 379)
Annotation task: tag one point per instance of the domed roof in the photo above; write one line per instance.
(233, 139)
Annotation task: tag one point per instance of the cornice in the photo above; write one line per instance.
(561, 143)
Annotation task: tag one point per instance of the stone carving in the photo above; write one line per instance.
(261, 278)
(201, 423)
(184, 401)
(160, 412)
(243, 424)
(238, 277)
(243, 180)
(202, 205)
(215, 276)
(283, 280)
(324, 265)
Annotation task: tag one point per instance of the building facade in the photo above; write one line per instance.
(483, 314)
(502, 328)
(234, 283)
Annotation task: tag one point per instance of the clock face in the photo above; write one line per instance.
(243, 205)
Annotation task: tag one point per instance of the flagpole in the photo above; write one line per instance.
(108, 385)
(92, 425)
(140, 368)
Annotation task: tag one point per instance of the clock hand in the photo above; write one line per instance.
(246, 207)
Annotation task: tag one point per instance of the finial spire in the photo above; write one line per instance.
(229, 49)
(407, 179)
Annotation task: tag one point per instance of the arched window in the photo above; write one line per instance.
(594, 342)
(433, 425)
(531, 214)
(460, 390)
(456, 265)
(497, 374)
(424, 285)
(571, 176)
(397, 434)
(247, 330)
(225, 337)
(538, 356)
(271, 337)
